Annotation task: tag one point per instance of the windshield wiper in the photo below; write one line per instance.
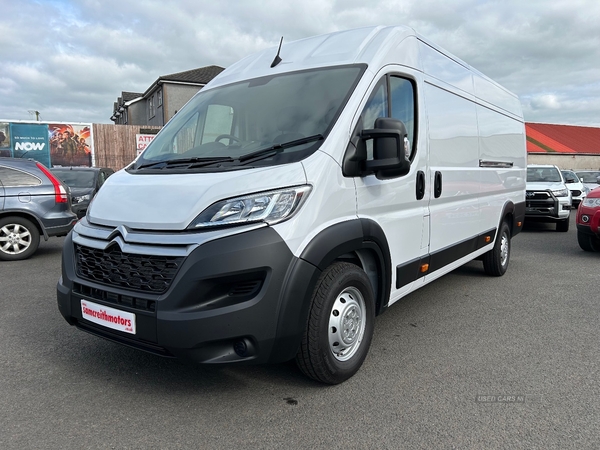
(190, 162)
(277, 148)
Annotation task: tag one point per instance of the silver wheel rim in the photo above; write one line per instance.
(14, 239)
(347, 324)
(504, 250)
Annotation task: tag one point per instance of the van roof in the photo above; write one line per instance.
(338, 48)
(375, 46)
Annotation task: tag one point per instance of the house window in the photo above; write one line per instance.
(159, 98)
(151, 107)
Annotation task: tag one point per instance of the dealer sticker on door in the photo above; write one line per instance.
(108, 317)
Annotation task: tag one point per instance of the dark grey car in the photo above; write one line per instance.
(33, 203)
(84, 182)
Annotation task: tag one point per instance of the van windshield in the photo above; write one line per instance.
(265, 121)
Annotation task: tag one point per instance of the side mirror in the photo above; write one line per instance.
(391, 149)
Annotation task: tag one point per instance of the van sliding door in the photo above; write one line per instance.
(454, 173)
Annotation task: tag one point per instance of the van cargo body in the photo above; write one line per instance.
(298, 195)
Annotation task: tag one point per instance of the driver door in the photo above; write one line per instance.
(399, 205)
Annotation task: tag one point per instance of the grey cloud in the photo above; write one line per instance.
(70, 59)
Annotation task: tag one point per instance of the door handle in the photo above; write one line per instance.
(420, 185)
(437, 184)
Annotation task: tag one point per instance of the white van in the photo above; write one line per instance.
(297, 196)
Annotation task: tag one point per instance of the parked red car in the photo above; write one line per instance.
(588, 222)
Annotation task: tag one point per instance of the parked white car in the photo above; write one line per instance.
(547, 198)
(589, 178)
(577, 188)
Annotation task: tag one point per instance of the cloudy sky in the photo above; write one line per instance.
(70, 59)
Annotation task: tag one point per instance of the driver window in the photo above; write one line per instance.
(403, 106)
(376, 107)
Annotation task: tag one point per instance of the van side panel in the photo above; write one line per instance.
(492, 93)
(331, 201)
(445, 70)
(454, 157)
(501, 140)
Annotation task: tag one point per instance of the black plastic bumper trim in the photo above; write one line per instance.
(411, 271)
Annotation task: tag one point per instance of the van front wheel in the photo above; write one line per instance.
(340, 325)
(495, 262)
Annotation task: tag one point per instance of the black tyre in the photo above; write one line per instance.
(19, 238)
(562, 226)
(495, 262)
(588, 243)
(340, 325)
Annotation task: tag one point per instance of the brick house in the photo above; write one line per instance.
(162, 99)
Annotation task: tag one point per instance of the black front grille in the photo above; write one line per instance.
(538, 195)
(145, 273)
(539, 199)
(140, 304)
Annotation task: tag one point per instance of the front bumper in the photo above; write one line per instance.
(543, 206)
(588, 221)
(241, 298)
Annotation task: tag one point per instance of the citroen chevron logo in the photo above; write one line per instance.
(121, 231)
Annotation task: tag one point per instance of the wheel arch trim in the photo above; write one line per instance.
(26, 215)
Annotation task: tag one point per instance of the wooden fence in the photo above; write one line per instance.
(115, 145)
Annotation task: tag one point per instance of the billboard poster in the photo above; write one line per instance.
(30, 141)
(142, 141)
(70, 144)
(5, 149)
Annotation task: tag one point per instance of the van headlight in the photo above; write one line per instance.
(561, 193)
(270, 207)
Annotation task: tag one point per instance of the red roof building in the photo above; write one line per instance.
(563, 139)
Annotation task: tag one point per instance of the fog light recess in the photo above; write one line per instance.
(243, 348)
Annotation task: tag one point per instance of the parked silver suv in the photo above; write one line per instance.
(33, 203)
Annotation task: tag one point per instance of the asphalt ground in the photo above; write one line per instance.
(468, 361)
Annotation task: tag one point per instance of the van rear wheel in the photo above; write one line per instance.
(495, 262)
(19, 238)
(340, 325)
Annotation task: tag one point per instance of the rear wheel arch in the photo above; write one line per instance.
(31, 217)
(508, 216)
(495, 261)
